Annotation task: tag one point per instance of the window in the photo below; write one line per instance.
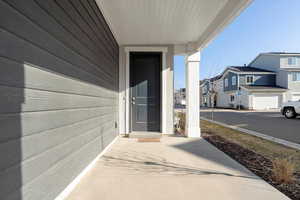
(231, 98)
(292, 61)
(249, 80)
(233, 80)
(296, 76)
(226, 82)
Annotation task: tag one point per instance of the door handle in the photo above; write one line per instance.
(133, 98)
(133, 102)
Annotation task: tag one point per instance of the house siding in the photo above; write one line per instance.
(259, 79)
(267, 62)
(206, 87)
(230, 87)
(58, 94)
(293, 86)
(284, 62)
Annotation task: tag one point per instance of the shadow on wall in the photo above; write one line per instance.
(58, 85)
(10, 127)
(23, 126)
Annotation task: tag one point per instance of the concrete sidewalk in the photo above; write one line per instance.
(176, 168)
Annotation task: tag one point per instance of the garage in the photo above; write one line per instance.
(266, 101)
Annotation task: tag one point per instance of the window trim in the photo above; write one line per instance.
(233, 83)
(296, 61)
(296, 76)
(226, 82)
(246, 81)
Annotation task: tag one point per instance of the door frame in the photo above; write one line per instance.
(163, 51)
(159, 55)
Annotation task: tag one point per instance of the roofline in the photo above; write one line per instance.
(273, 54)
(289, 54)
(265, 90)
(229, 69)
(289, 69)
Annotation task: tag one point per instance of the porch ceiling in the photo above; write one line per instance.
(194, 22)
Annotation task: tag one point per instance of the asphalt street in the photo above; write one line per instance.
(268, 123)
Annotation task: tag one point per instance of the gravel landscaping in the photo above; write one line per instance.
(254, 155)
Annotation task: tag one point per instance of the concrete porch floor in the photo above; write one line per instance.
(174, 169)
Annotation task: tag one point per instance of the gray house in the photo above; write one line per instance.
(209, 91)
(74, 74)
(269, 80)
(252, 88)
(244, 87)
(287, 69)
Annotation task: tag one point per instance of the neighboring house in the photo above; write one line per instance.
(251, 88)
(268, 81)
(200, 92)
(211, 91)
(204, 97)
(287, 69)
(219, 91)
(244, 87)
(179, 97)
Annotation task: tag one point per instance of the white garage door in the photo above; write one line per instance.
(296, 97)
(269, 101)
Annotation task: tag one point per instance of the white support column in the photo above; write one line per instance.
(192, 126)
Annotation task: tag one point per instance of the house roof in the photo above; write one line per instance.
(247, 69)
(283, 53)
(216, 78)
(264, 88)
(202, 81)
(274, 53)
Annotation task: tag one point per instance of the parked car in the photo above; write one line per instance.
(290, 109)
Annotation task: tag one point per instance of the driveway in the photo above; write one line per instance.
(268, 123)
(176, 168)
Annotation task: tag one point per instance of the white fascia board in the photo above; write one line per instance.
(146, 49)
(103, 12)
(290, 69)
(263, 90)
(284, 54)
(251, 73)
(242, 87)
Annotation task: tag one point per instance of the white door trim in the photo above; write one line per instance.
(164, 51)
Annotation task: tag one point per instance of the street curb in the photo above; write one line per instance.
(257, 134)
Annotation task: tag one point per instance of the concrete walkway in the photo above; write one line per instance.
(174, 169)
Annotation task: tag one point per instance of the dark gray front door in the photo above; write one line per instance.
(145, 70)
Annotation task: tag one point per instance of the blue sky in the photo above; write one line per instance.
(265, 26)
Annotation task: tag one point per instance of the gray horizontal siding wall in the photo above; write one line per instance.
(230, 87)
(259, 79)
(58, 94)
